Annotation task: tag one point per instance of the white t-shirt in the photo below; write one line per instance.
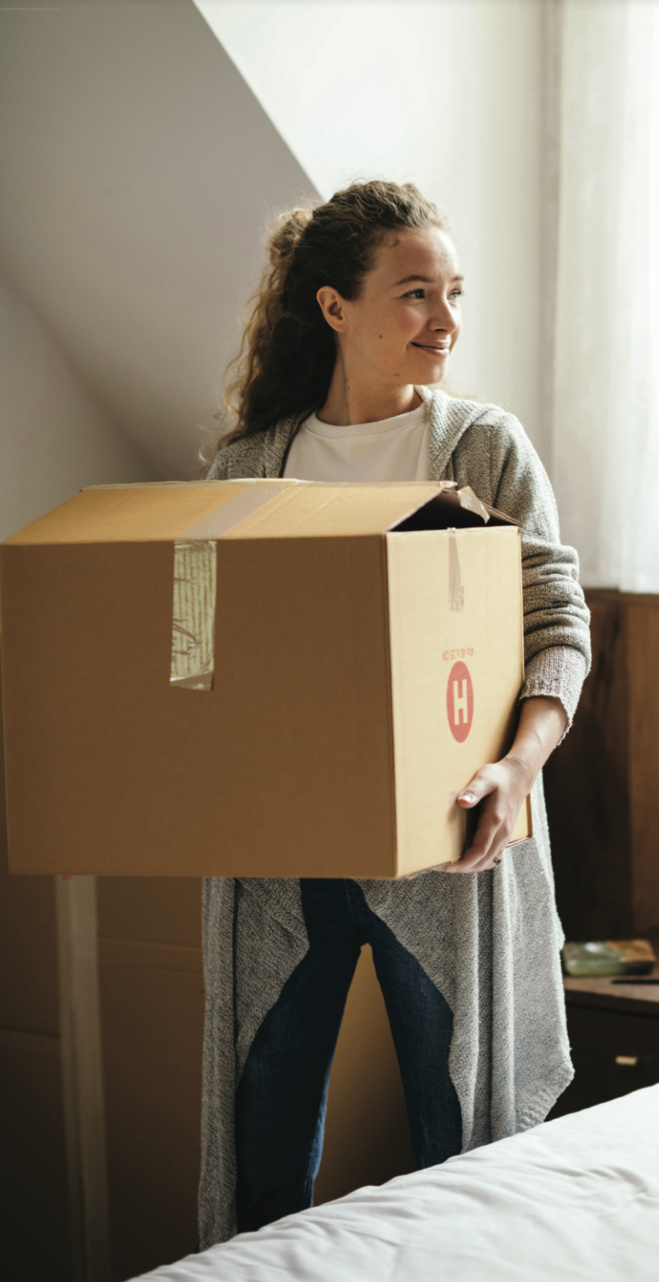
(395, 449)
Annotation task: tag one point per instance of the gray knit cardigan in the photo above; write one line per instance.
(489, 941)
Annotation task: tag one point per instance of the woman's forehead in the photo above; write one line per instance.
(428, 252)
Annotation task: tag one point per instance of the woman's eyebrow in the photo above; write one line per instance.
(428, 280)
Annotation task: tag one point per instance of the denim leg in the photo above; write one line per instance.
(421, 1023)
(282, 1094)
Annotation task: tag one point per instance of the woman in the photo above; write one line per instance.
(349, 336)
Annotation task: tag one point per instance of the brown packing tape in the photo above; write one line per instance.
(245, 504)
(193, 614)
(195, 586)
(456, 594)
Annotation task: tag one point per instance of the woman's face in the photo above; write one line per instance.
(407, 318)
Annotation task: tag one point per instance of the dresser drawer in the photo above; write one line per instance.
(613, 1053)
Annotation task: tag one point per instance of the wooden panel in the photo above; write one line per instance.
(34, 1176)
(643, 683)
(34, 1170)
(28, 954)
(82, 1076)
(28, 946)
(586, 782)
(152, 1021)
(602, 782)
(153, 909)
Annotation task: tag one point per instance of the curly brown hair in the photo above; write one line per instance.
(287, 353)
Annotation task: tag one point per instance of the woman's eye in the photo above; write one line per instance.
(455, 293)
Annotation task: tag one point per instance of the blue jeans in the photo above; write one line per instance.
(282, 1094)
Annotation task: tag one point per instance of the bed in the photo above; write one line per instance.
(574, 1200)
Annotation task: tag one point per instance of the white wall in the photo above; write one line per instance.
(447, 94)
(138, 170)
(54, 437)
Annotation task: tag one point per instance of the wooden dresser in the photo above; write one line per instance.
(614, 1035)
(602, 788)
(602, 784)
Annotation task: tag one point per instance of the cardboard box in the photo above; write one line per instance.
(255, 678)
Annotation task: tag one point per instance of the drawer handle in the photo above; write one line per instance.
(627, 1061)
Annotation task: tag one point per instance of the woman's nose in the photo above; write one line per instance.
(444, 318)
(444, 323)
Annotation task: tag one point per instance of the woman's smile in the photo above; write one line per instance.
(434, 349)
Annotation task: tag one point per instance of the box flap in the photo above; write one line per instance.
(252, 508)
(454, 508)
(316, 510)
(150, 513)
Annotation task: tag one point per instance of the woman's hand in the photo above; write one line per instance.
(500, 788)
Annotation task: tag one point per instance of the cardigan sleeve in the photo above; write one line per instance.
(218, 468)
(245, 457)
(556, 617)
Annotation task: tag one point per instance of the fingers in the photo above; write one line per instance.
(489, 842)
(494, 824)
(498, 791)
(482, 784)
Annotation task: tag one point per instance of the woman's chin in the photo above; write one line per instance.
(429, 369)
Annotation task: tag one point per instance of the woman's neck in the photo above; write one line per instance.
(350, 402)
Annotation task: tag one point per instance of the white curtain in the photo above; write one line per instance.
(602, 385)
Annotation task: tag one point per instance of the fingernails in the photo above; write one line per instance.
(467, 796)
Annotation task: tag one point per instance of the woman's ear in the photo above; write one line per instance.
(332, 306)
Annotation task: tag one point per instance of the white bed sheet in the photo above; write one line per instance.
(574, 1200)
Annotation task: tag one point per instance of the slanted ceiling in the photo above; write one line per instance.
(138, 173)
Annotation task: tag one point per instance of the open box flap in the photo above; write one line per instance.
(315, 509)
(241, 508)
(453, 508)
(140, 513)
(254, 508)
